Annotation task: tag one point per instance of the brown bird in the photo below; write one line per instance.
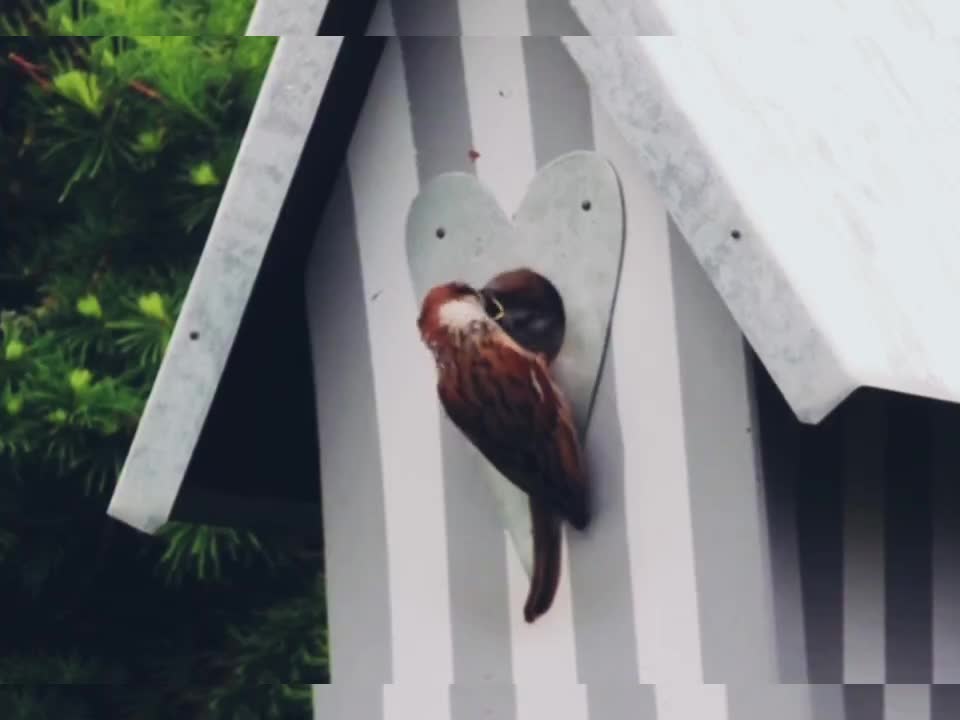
(503, 399)
(529, 308)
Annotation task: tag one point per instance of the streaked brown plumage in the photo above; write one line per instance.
(502, 397)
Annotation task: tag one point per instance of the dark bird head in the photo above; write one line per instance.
(528, 308)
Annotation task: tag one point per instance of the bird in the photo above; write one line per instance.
(529, 308)
(502, 398)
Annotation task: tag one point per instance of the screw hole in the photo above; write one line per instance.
(441, 233)
(586, 205)
(194, 335)
(735, 234)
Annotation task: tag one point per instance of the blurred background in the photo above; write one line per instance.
(114, 149)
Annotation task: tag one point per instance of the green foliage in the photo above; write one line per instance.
(123, 144)
(57, 409)
(199, 551)
(282, 654)
(38, 703)
(7, 542)
(114, 151)
(129, 17)
(67, 668)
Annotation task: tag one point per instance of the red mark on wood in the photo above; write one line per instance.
(473, 154)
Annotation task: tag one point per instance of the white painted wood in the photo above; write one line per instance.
(832, 160)
(548, 699)
(763, 701)
(494, 18)
(381, 21)
(408, 418)
(946, 568)
(924, 19)
(864, 626)
(499, 104)
(687, 701)
(648, 406)
(424, 701)
(906, 702)
(286, 17)
(644, 351)
(546, 648)
(187, 380)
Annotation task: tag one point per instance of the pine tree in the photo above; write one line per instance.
(113, 154)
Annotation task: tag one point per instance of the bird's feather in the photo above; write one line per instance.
(504, 401)
(547, 557)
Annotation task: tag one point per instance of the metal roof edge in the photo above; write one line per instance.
(786, 336)
(254, 195)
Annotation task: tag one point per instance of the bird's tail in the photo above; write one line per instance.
(547, 548)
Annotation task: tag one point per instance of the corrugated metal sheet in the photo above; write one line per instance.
(814, 181)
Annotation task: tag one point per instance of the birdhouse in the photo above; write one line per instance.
(758, 271)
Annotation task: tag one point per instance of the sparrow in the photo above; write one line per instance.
(502, 397)
(529, 308)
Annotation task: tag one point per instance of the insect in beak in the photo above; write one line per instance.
(487, 298)
(500, 311)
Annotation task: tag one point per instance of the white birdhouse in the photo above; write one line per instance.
(744, 232)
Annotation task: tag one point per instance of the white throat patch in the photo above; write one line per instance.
(459, 314)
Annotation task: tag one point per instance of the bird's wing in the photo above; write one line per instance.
(508, 406)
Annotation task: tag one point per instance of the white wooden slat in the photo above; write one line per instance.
(494, 18)
(423, 701)
(408, 414)
(503, 137)
(906, 702)
(682, 701)
(644, 347)
(864, 638)
(546, 699)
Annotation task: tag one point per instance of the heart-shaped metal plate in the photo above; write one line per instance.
(570, 229)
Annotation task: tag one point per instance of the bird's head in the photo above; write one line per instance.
(528, 307)
(450, 307)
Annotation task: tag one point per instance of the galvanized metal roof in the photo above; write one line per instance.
(815, 181)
